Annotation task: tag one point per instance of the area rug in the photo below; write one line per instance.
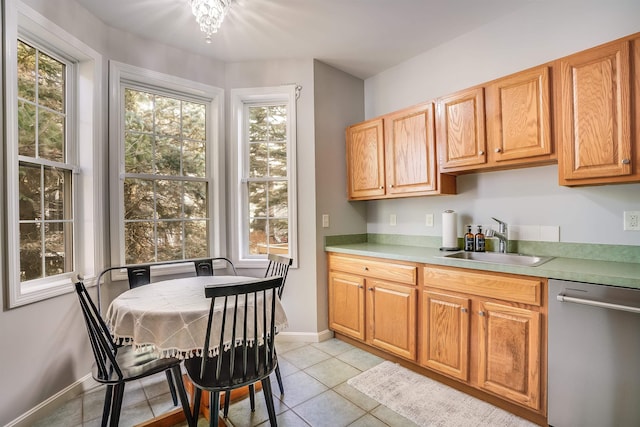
(427, 402)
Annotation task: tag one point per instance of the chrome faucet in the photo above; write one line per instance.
(501, 234)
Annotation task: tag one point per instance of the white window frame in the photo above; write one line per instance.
(240, 98)
(121, 75)
(85, 125)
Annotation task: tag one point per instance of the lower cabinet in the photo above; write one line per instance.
(374, 301)
(485, 329)
(346, 304)
(391, 316)
(509, 352)
(445, 333)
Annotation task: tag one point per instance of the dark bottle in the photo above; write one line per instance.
(468, 240)
(479, 240)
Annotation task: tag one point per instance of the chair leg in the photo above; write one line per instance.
(252, 397)
(177, 379)
(107, 406)
(268, 398)
(196, 405)
(172, 388)
(116, 405)
(279, 378)
(227, 403)
(214, 408)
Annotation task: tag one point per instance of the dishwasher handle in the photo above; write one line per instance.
(601, 304)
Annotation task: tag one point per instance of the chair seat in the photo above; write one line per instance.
(209, 381)
(134, 364)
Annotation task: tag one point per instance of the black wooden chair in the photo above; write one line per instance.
(205, 267)
(278, 266)
(140, 275)
(116, 365)
(253, 356)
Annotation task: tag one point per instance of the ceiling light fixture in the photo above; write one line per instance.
(210, 14)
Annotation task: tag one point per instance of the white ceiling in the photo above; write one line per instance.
(361, 37)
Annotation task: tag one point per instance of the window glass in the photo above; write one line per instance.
(268, 222)
(165, 187)
(44, 173)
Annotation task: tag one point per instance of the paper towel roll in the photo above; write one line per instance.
(449, 230)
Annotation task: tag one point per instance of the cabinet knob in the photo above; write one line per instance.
(481, 313)
(626, 161)
(391, 186)
(481, 153)
(371, 289)
(464, 309)
(366, 268)
(382, 187)
(360, 287)
(498, 150)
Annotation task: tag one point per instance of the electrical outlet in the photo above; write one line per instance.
(428, 220)
(632, 220)
(392, 219)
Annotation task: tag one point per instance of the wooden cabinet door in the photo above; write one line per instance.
(445, 334)
(460, 129)
(595, 115)
(346, 304)
(509, 352)
(391, 317)
(365, 159)
(410, 150)
(518, 116)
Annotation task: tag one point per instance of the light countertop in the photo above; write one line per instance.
(625, 274)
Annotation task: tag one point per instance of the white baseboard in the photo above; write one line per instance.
(305, 336)
(47, 407)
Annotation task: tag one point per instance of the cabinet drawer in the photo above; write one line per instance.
(377, 269)
(508, 288)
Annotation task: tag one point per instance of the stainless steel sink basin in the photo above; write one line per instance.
(500, 258)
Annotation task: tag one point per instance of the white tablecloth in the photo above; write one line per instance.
(172, 315)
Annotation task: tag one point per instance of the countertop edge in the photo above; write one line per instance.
(623, 274)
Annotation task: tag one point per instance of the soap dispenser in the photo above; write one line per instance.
(479, 240)
(469, 245)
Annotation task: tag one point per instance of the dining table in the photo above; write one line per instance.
(172, 316)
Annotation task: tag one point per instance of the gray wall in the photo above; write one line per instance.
(299, 300)
(338, 103)
(540, 32)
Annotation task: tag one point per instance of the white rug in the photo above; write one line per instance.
(427, 402)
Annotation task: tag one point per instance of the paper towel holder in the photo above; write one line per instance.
(450, 248)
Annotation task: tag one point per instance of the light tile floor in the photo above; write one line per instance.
(316, 394)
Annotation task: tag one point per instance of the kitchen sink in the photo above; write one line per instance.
(500, 258)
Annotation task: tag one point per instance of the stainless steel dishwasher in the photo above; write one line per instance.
(594, 355)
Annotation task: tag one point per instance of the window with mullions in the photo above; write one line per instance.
(264, 135)
(166, 198)
(267, 181)
(44, 170)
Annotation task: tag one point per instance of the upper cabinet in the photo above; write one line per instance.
(461, 132)
(395, 156)
(365, 160)
(582, 112)
(596, 128)
(515, 113)
(519, 118)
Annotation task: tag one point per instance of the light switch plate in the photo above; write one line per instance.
(392, 219)
(325, 220)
